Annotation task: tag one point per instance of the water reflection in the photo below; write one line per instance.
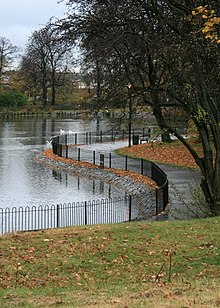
(25, 182)
(97, 188)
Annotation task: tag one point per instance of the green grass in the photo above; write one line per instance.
(157, 264)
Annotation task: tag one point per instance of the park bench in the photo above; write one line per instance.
(144, 139)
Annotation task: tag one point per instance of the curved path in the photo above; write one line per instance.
(182, 182)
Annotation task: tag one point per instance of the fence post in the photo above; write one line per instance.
(110, 160)
(165, 195)
(58, 146)
(129, 208)
(90, 138)
(93, 157)
(126, 163)
(66, 151)
(87, 139)
(1, 215)
(58, 216)
(75, 138)
(142, 166)
(85, 213)
(157, 200)
(78, 154)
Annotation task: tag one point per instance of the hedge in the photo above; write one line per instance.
(12, 99)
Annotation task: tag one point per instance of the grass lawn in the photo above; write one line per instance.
(139, 264)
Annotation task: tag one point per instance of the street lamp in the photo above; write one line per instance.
(130, 114)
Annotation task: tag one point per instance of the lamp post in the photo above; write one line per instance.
(130, 114)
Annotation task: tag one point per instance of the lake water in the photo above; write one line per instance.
(25, 182)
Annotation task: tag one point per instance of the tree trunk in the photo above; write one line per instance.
(212, 195)
(157, 112)
(53, 94)
(44, 94)
(210, 185)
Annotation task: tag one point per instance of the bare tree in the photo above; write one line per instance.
(7, 52)
(46, 60)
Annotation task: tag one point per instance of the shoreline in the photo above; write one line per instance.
(138, 186)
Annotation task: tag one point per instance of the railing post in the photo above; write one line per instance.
(75, 138)
(157, 200)
(85, 213)
(66, 151)
(78, 154)
(58, 216)
(110, 160)
(142, 166)
(130, 200)
(126, 163)
(165, 195)
(1, 221)
(93, 157)
(66, 147)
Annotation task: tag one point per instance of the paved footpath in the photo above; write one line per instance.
(182, 181)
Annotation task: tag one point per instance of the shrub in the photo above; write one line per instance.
(12, 99)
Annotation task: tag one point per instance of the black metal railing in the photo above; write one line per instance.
(98, 136)
(162, 193)
(67, 146)
(103, 211)
(110, 210)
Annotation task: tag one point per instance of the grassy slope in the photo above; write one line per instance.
(157, 264)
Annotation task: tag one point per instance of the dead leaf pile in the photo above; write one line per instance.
(173, 154)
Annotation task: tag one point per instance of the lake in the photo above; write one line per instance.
(25, 182)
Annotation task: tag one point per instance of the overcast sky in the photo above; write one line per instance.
(20, 18)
